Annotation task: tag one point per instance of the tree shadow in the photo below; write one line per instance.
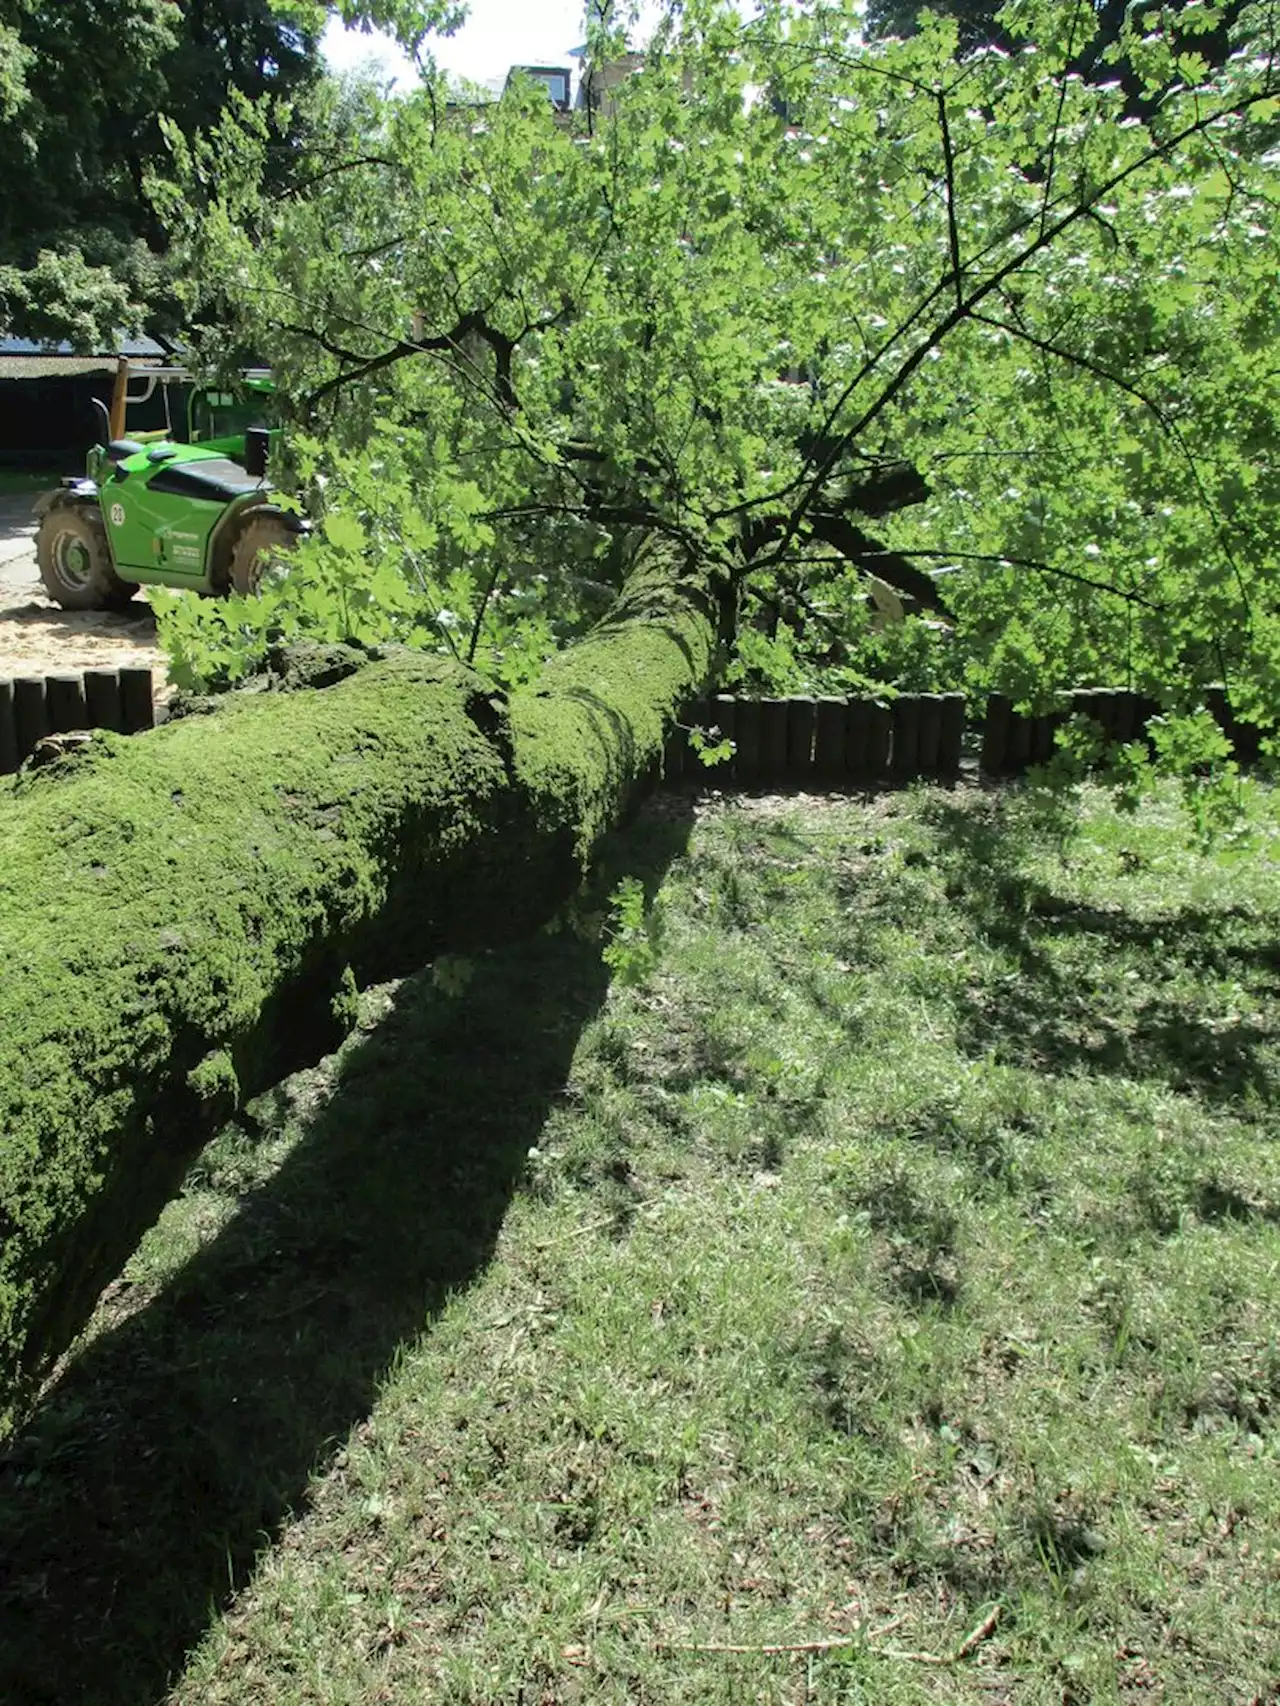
(1102, 990)
(176, 1444)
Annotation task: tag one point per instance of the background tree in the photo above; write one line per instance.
(83, 84)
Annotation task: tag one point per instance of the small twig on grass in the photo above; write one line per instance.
(972, 1640)
(979, 1633)
(578, 1232)
(834, 1644)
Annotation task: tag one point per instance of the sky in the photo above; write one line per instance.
(497, 35)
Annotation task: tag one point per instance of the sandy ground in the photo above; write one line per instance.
(36, 637)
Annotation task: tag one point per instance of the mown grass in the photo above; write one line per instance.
(902, 1249)
(17, 482)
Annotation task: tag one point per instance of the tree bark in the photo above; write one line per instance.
(186, 915)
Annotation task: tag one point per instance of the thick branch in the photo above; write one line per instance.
(949, 170)
(398, 351)
(868, 553)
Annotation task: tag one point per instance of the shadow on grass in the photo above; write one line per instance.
(1102, 991)
(174, 1447)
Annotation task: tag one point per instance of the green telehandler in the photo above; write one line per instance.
(187, 507)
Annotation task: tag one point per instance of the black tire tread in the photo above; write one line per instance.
(105, 589)
(263, 531)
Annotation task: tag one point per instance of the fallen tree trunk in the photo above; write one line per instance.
(186, 915)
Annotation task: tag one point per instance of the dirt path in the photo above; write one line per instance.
(36, 637)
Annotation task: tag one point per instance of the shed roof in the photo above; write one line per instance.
(53, 366)
(120, 345)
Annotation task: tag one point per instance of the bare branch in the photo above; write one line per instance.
(949, 168)
(354, 165)
(1057, 121)
(490, 588)
(1029, 563)
(398, 351)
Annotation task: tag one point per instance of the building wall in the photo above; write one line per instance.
(49, 422)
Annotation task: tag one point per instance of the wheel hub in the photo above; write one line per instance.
(73, 559)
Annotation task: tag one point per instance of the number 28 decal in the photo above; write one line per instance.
(117, 515)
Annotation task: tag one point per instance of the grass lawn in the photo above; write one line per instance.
(875, 1301)
(20, 481)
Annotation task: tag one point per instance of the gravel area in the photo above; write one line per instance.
(38, 638)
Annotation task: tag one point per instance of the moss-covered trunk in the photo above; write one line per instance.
(185, 915)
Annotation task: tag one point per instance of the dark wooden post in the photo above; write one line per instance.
(65, 698)
(1018, 750)
(8, 731)
(1126, 715)
(30, 713)
(879, 739)
(102, 699)
(829, 740)
(1043, 729)
(746, 766)
(773, 740)
(951, 737)
(1104, 709)
(137, 701)
(906, 738)
(930, 733)
(857, 735)
(801, 717)
(995, 735)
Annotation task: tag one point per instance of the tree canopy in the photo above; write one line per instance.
(962, 320)
(83, 84)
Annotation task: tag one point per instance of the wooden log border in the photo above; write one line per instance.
(1012, 742)
(35, 706)
(834, 744)
(823, 743)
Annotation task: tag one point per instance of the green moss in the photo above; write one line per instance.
(214, 1079)
(600, 715)
(345, 1006)
(185, 915)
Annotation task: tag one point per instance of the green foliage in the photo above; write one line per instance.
(83, 90)
(706, 749)
(630, 951)
(516, 345)
(451, 974)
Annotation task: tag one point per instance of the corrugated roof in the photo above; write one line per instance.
(120, 345)
(53, 366)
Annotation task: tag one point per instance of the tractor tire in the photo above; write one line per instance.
(263, 541)
(75, 560)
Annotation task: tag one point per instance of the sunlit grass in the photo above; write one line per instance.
(902, 1249)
